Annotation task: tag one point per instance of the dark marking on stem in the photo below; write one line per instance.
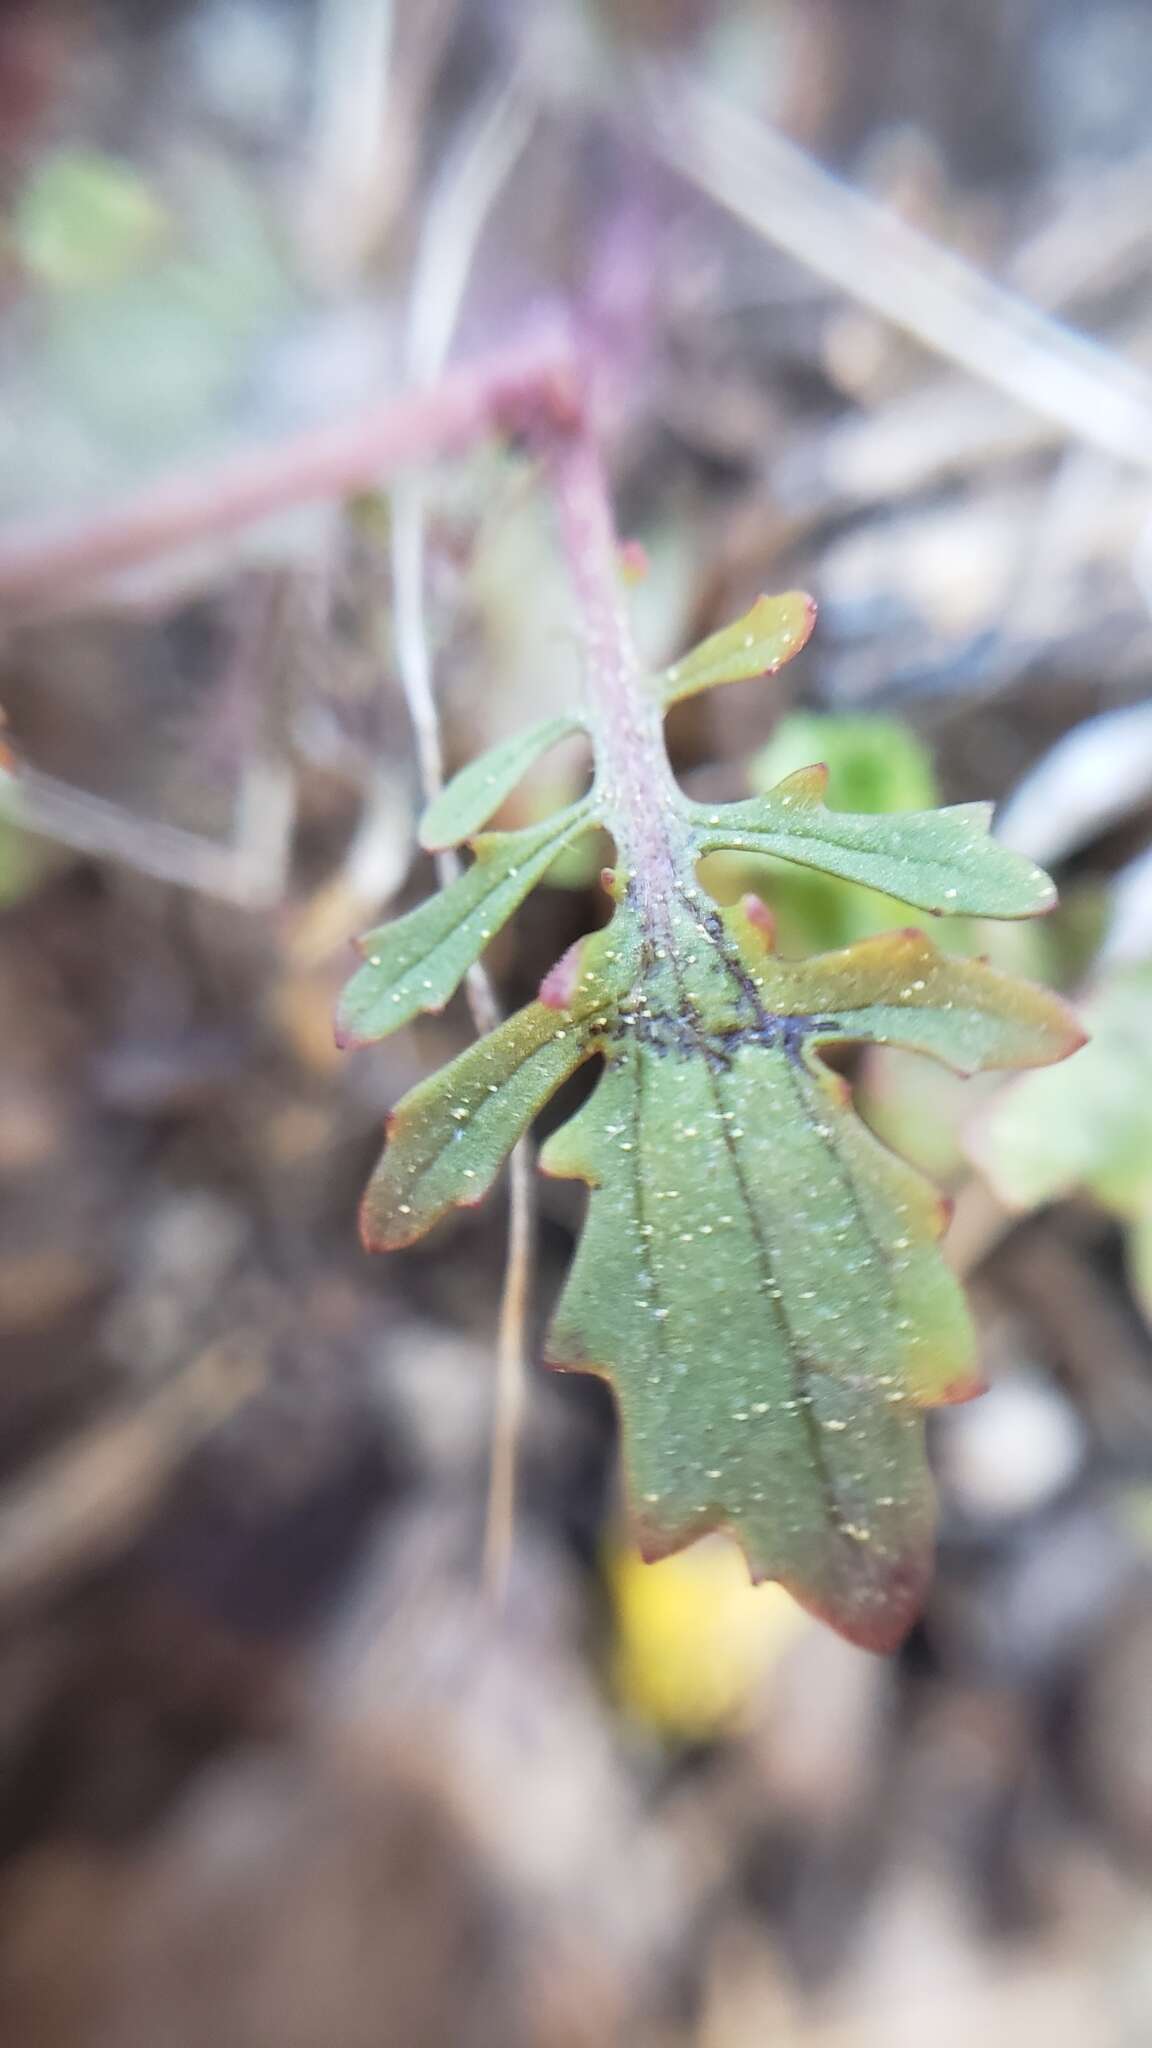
(686, 1036)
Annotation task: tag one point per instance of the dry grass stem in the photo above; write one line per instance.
(458, 208)
(900, 273)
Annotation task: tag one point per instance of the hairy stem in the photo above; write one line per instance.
(641, 802)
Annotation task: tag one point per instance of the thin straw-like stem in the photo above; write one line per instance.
(859, 245)
(457, 211)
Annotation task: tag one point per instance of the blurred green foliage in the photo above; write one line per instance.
(146, 309)
(84, 220)
(23, 861)
(1087, 1126)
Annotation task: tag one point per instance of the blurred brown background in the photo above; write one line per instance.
(271, 1771)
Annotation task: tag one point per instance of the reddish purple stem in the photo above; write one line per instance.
(533, 390)
(640, 799)
(510, 392)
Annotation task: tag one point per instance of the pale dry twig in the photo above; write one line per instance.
(900, 273)
(457, 210)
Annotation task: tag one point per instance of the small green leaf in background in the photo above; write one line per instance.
(149, 317)
(1086, 1127)
(84, 220)
(874, 764)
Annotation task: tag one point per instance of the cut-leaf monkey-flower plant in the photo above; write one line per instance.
(758, 1277)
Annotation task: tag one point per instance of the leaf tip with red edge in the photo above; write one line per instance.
(880, 1620)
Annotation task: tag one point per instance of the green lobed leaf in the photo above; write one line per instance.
(417, 962)
(758, 1276)
(477, 792)
(449, 1137)
(898, 988)
(761, 642)
(874, 764)
(937, 860)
